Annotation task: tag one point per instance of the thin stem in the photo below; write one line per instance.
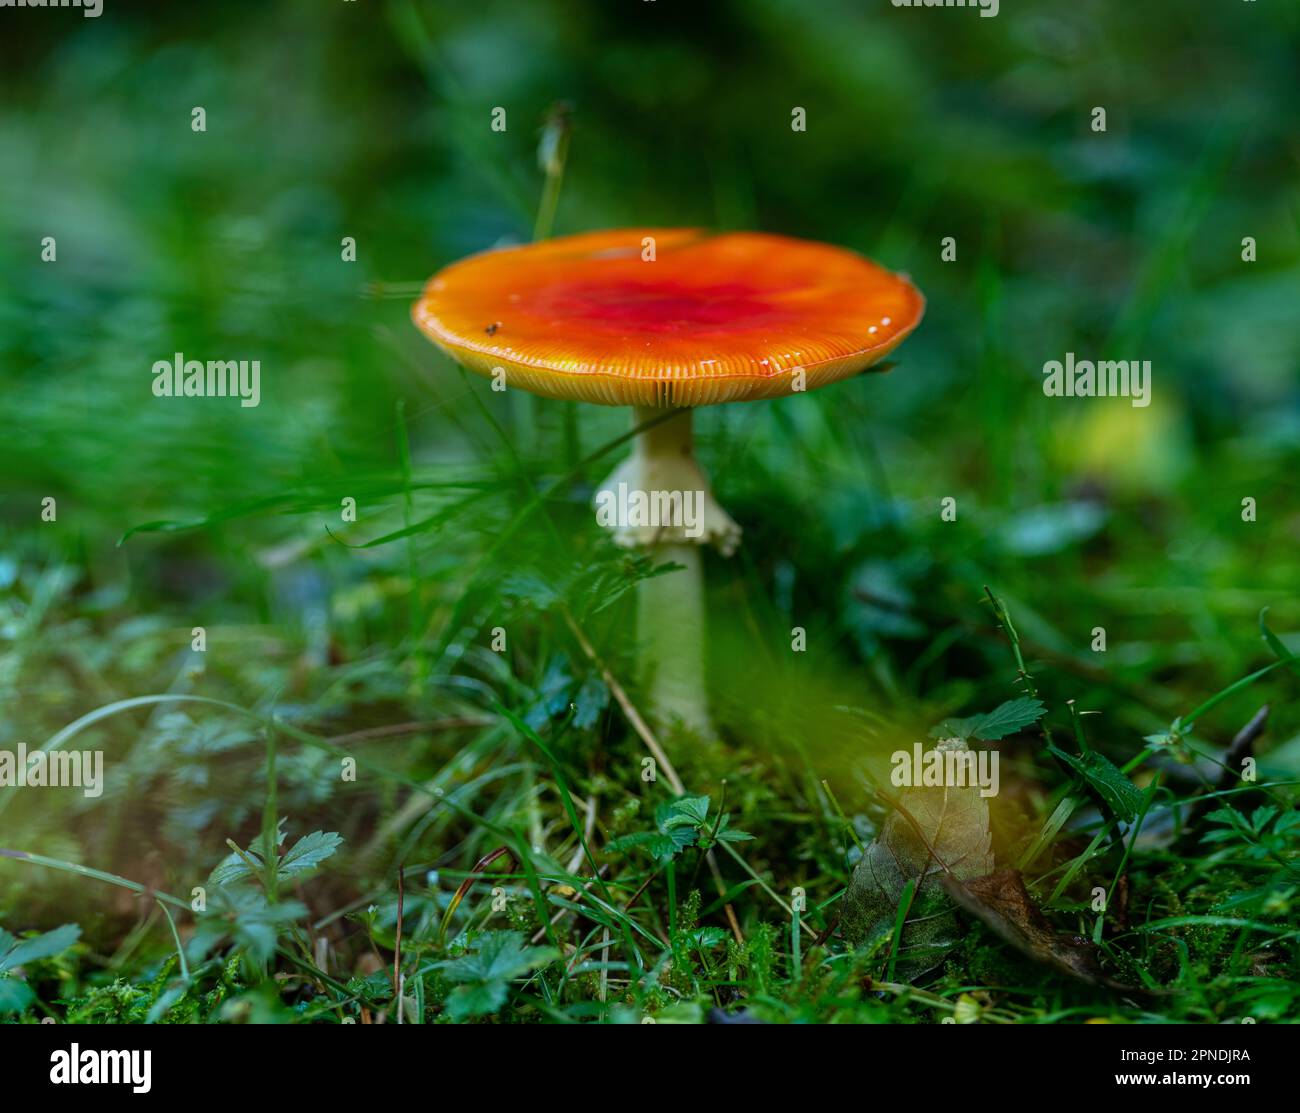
(552, 153)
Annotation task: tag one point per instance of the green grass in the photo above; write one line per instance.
(499, 798)
(511, 780)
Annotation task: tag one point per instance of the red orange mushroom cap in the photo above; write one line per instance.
(711, 318)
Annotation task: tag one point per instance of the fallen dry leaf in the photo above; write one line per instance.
(1001, 901)
(934, 831)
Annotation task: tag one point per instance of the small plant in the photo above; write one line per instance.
(484, 973)
(679, 824)
(15, 992)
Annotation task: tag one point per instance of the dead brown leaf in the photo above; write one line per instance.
(1001, 901)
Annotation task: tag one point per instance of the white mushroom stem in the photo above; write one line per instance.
(667, 508)
(663, 472)
(670, 632)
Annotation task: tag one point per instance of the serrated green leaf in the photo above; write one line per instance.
(1005, 719)
(1121, 795)
(305, 855)
(309, 852)
(232, 867)
(707, 937)
(1286, 821)
(678, 824)
(1009, 717)
(485, 973)
(656, 843)
(497, 955)
(685, 810)
(1260, 817)
(727, 833)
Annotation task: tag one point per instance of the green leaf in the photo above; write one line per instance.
(309, 852)
(16, 952)
(531, 588)
(485, 973)
(1121, 795)
(15, 994)
(260, 928)
(677, 825)
(477, 999)
(1006, 719)
(685, 810)
(590, 702)
(498, 956)
(1285, 822)
(727, 833)
(707, 937)
(1260, 817)
(1010, 717)
(305, 855)
(657, 844)
(232, 867)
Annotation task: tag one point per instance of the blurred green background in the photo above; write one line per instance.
(372, 120)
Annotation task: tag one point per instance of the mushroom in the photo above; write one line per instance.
(665, 321)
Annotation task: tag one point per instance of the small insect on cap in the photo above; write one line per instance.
(668, 317)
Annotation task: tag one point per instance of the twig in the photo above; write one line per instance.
(722, 892)
(629, 709)
(480, 867)
(397, 945)
(766, 887)
(588, 830)
(656, 751)
(1243, 744)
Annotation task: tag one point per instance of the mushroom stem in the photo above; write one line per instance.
(681, 515)
(670, 632)
(663, 471)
